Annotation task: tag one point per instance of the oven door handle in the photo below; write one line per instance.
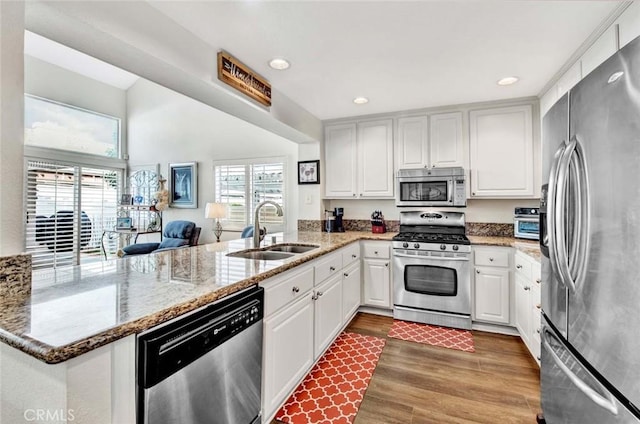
(437, 258)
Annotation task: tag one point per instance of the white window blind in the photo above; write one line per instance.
(67, 208)
(244, 186)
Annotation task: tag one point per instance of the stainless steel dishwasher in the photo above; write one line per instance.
(204, 367)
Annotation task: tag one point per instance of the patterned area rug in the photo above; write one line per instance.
(333, 390)
(451, 338)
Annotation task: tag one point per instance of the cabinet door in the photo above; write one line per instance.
(536, 322)
(501, 156)
(350, 291)
(492, 295)
(412, 142)
(288, 351)
(340, 153)
(446, 145)
(629, 24)
(328, 313)
(377, 280)
(600, 51)
(523, 309)
(375, 154)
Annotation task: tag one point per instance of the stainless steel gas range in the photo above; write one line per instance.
(431, 269)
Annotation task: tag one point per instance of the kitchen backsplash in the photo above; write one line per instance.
(15, 275)
(472, 228)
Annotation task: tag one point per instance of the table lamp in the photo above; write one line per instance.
(216, 211)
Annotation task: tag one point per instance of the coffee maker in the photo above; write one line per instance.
(333, 221)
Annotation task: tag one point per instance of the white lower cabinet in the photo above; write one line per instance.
(328, 313)
(288, 351)
(492, 295)
(376, 289)
(527, 302)
(350, 291)
(491, 284)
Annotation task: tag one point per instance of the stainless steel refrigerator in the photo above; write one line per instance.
(590, 240)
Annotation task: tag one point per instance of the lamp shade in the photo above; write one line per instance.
(215, 210)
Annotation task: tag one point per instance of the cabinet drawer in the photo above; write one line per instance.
(350, 254)
(280, 293)
(376, 250)
(523, 266)
(492, 257)
(327, 267)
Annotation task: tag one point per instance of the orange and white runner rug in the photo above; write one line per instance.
(333, 390)
(451, 338)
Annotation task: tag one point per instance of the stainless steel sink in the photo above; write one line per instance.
(262, 255)
(292, 248)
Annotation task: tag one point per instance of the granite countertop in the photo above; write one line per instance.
(72, 310)
(529, 247)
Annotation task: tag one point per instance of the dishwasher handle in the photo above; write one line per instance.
(171, 347)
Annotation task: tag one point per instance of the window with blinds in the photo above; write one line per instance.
(243, 186)
(67, 208)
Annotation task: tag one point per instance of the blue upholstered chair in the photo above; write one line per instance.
(247, 232)
(176, 234)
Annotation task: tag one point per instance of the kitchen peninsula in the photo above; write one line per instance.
(78, 325)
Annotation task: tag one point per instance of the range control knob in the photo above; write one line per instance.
(455, 247)
(443, 247)
(416, 245)
(405, 244)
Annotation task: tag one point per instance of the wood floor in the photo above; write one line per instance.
(420, 384)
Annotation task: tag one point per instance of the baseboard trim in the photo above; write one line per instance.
(495, 328)
(376, 311)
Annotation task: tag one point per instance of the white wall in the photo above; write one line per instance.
(310, 205)
(55, 83)
(11, 126)
(166, 127)
(497, 211)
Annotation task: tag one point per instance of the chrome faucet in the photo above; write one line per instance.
(256, 221)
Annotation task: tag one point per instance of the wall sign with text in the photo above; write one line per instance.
(242, 78)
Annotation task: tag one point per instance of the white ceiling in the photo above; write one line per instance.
(75, 61)
(401, 55)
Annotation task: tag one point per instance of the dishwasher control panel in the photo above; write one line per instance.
(176, 344)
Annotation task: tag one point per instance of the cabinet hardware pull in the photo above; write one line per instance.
(295, 289)
(387, 264)
(320, 293)
(477, 271)
(354, 256)
(538, 331)
(490, 259)
(375, 253)
(538, 306)
(518, 266)
(314, 296)
(345, 274)
(538, 280)
(527, 288)
(332, 268)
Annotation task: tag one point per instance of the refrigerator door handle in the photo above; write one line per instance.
(581, 226)
(551, 205)
(607, 401)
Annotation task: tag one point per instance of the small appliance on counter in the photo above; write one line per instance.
(333, 221)
(526, 223)
(377, 223)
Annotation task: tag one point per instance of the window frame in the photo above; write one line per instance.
(249, 211)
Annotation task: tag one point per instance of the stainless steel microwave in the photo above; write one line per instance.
(431, 187)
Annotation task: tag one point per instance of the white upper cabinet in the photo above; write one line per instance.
(629, 24)
(433, 141)
(501, 152)
(446, 142)
(375, 154)
(600, 51)
(340, 152)
(359, 159)
(412, 142)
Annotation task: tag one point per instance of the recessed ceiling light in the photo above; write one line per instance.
(279, 64)
(508, 81)
(360, 100)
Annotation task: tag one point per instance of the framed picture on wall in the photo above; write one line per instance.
(183, 185)
(309, 172)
